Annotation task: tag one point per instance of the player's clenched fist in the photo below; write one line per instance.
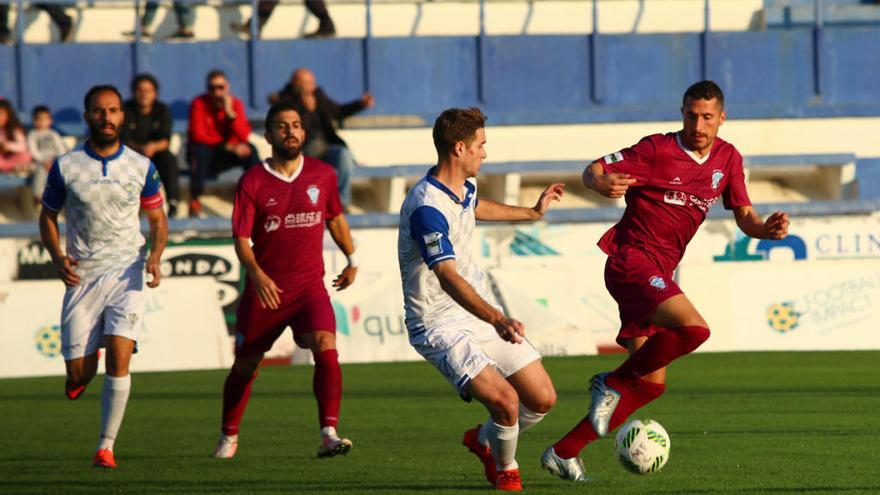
(510, 330)
(613, 185)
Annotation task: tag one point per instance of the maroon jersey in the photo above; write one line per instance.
(284, 217)
(672, 195)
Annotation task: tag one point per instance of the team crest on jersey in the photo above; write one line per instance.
(657, 282)
(432, 243)
(129, 189)
(272, 223)
(717, 175)
(313, 193)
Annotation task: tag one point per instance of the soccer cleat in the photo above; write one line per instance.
(472, 442)
(509, 481)
(75, 392)
(104, 459)
(333, 446)
(226, 446)
(604, 400)
(567, 469)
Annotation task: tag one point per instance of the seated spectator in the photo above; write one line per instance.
(62, 21)
(14, 155)
(45, 145)
(318, 116)
(184, 12)
(218, 136)
(147, 130)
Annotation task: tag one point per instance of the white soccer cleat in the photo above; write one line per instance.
(226, 447)
(604, 402)
(567, 469)
(332, 446)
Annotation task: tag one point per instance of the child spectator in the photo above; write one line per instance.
(14, 155)
(45, 145)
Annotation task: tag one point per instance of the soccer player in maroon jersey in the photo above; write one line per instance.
(282, 206)
(669, 181)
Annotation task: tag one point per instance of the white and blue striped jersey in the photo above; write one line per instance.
(102, 198)
(435, 226)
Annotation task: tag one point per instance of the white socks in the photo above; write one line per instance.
(502, 441)
(527, 419)
(114, 397)
(329, 431)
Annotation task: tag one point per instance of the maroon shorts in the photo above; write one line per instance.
(304, 311)
(639, 286)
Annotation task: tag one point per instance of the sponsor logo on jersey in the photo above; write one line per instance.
(271, 202)
(675, 198)
(302, 219)
(657, 282)
(433, 244)
(613, 157)
(717, 175)
(272, 223)
(313, 193)
(703, 204)
(676, 181)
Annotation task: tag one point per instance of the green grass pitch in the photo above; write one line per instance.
(740, 423)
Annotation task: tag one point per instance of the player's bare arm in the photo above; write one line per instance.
(464, 294)
(158, 240)
(774, 227)
(52, 241)
(608, 185)
(488, 210)
(341, 234)
(268, 293)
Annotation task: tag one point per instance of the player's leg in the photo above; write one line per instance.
(81, 334)
(257, 329)
(681, 331)
(114, 396)
(502, 431)
(327, 387)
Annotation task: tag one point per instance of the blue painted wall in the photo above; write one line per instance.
(516, 79)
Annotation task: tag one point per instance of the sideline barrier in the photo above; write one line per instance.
(180, 333)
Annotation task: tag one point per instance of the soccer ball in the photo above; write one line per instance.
(642, 446)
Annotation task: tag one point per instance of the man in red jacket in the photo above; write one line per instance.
(218, 136)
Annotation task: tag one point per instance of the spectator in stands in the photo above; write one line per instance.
(318, 8)
(318, 116)
(62, 21)
(147, 130)
(218, 136)
(45, 145)
(14, 155)
(185, 14)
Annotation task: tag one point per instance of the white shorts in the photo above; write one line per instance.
(462, 349)
(111, 304)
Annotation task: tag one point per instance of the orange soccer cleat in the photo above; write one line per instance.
(509, 481)
(472, 442)
(104, 459)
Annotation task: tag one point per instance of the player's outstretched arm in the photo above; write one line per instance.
(341, 234)
(488, 210)
(774, 227)
(268, 293)
(464, 294)
(52, 241)
(158, 241)
(608, 185)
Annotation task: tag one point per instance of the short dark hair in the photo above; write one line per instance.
(704, 90)
(101, 88)
(215, 73)
(144, 77)
(454, 125)
(281, 106)
(40, 109)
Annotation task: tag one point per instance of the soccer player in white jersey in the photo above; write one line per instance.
(102, 187)
(451, 317)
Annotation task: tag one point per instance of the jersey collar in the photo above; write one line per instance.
(690, 153)
(87, 147)
(289, 180)
(470, 189)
